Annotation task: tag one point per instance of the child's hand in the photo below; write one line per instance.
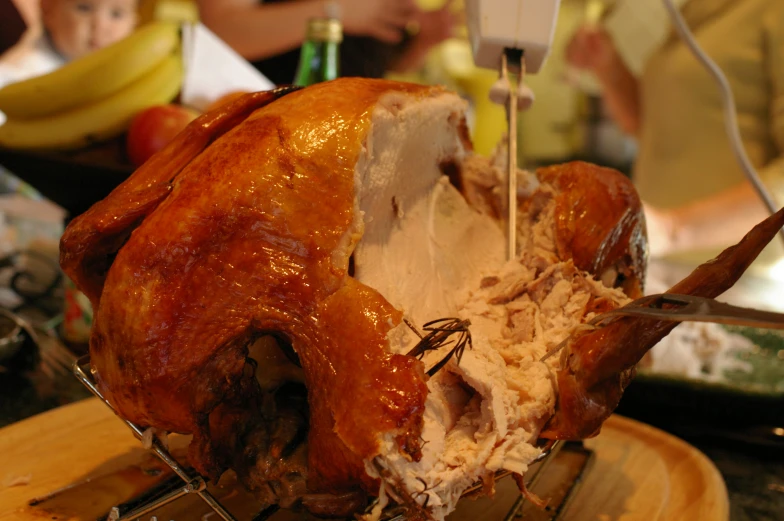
(382, 19)
(437, 25)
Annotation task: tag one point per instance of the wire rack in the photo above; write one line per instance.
(194, 483)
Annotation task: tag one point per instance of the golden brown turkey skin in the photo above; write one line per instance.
(599, 222)
(253, 235)
(90, 242)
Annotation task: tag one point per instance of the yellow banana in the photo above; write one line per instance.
(93, 77)
(97, 121)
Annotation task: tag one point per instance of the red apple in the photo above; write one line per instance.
(153, 128)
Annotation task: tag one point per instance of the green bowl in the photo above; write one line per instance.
(741, 398)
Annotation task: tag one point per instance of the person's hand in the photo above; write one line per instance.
(436, 25)
(382, 19)
(590, 48)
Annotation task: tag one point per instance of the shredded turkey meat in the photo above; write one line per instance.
(483, 414)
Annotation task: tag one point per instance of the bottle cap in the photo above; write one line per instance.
(325, 30)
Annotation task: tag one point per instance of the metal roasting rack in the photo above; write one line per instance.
(194, 483)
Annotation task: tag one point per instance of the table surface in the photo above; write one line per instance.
(632, 472)
(753, 473)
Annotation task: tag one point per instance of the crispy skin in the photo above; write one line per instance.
(598, 365)
(90, 242)
(599, 222)
(363, 391)
(252, 236)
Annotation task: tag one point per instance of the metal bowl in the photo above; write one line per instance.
(11, 337)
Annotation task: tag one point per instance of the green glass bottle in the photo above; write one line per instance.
(319, 59)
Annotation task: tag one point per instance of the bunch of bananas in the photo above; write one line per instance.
(94, 98)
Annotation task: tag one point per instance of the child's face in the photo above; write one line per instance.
(78, 27)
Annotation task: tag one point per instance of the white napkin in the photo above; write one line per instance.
(213, 69)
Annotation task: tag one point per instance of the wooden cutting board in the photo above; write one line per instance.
(75, 462)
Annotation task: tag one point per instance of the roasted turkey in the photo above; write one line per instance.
(264, 284)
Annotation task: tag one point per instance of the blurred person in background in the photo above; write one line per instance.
(13, 24)
(70, 30)
(376, 33)
(693, 189)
